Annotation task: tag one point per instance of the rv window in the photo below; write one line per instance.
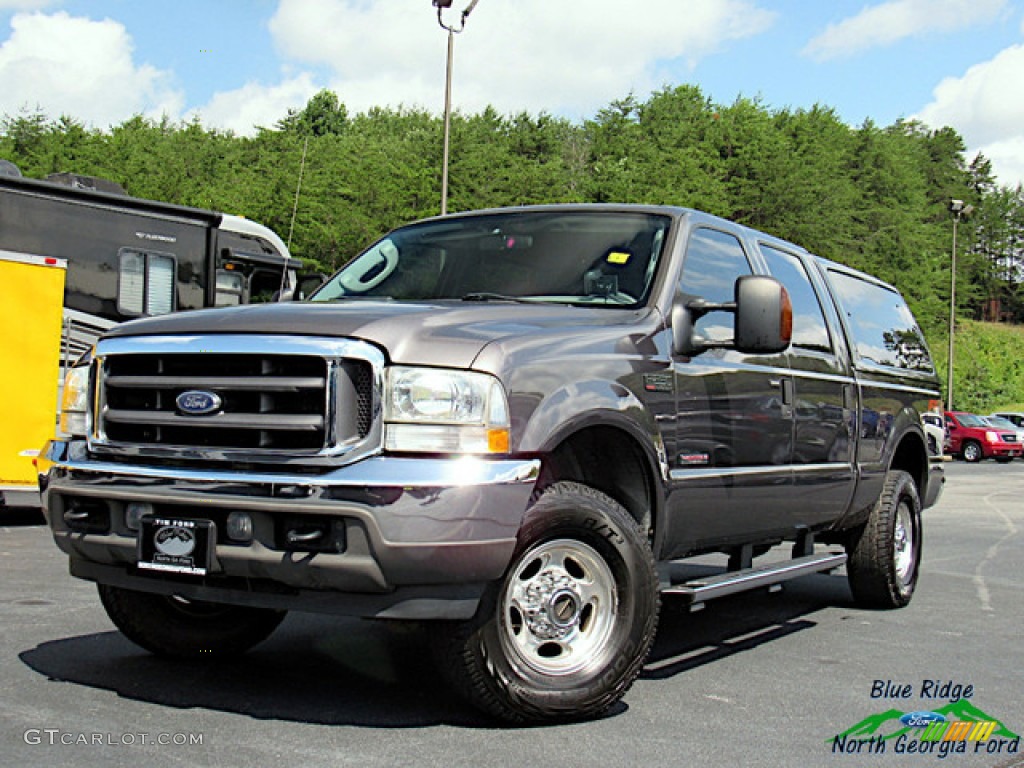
(264, 286)
(229, 288)
(146, 283)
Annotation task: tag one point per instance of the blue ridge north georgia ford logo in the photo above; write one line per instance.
(197, 402)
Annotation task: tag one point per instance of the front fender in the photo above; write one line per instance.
(580, 405)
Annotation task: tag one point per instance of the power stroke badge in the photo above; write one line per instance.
(175, 546)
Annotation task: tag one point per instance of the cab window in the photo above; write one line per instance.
(714, 260)
(809, 328)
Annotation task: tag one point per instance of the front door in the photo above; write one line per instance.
(730, 475)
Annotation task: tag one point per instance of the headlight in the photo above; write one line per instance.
(992, 437)
(436, 410)
(75, 400)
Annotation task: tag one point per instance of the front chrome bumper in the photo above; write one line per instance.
(435, 527)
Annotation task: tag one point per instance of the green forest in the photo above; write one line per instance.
(874, 197)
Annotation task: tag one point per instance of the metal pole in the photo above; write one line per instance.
(452, 31)
(447, 122)
(952, 316)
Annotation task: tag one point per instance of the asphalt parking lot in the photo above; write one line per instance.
(754, 680)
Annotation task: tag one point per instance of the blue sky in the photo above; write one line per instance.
(241, 63)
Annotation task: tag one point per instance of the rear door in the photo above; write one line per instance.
(824, 404)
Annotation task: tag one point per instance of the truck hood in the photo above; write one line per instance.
(447, 333)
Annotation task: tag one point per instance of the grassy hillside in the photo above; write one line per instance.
(988, 370)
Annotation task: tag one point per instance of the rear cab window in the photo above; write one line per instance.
(880, 324)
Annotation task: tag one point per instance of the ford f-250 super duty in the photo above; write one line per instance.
(513, 423)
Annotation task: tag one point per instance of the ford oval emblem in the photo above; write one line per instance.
(197, 402)
(922, 719)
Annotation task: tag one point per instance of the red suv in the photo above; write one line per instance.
(973, 439)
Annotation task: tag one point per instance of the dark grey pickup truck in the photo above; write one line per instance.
(514, 424)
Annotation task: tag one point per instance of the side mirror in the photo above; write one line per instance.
(763, 322)
(764, 315)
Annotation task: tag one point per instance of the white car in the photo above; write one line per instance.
(1015, 416)
(935, 431)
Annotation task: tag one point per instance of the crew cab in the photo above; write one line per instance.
(511, 424)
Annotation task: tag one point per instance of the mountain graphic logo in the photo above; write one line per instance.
(887, 725)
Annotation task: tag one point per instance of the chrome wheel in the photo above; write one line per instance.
(904, 558)
(972, 451)
(565, 632)
(559, 607)
(885, 554)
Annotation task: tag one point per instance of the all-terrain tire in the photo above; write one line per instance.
(179, 628)
(885, 555)
(566, 631)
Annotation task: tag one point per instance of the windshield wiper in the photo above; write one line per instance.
(484, 296)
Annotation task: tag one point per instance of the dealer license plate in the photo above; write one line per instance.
(176, 546)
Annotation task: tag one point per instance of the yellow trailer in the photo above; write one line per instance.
(31, 312)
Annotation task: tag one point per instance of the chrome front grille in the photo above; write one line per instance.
(267, 396)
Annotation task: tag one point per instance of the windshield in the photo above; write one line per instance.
(970, 420)
(576, 257)
(1001, 423)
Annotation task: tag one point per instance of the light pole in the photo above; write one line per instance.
(959, 209)
(441, 5)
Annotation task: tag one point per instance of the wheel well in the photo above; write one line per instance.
(912, 457)
(609, 460)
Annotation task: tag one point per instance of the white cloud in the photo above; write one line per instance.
(514, 56)
(83, 68)
(888, 22)
(983, 107)
(1007, 158)
(256, 105)
(983, 103)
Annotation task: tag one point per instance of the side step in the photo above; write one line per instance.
(698, 591)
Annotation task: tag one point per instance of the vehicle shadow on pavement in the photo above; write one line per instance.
(340, 671)
(314, 669)
(738, 623)
(21, 517)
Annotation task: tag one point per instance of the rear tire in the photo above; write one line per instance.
(885, 555)
(185, 629)
(565, 633)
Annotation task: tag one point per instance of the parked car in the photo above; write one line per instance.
(973, 439)
(1015, 416)
(935, 432)
(1006, 424)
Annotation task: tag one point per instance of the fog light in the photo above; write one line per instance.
(134, 511)
(240, 526)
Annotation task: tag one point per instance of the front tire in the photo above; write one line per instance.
(971, 452)
(185, 629)
(565, 633)
(884, 556)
